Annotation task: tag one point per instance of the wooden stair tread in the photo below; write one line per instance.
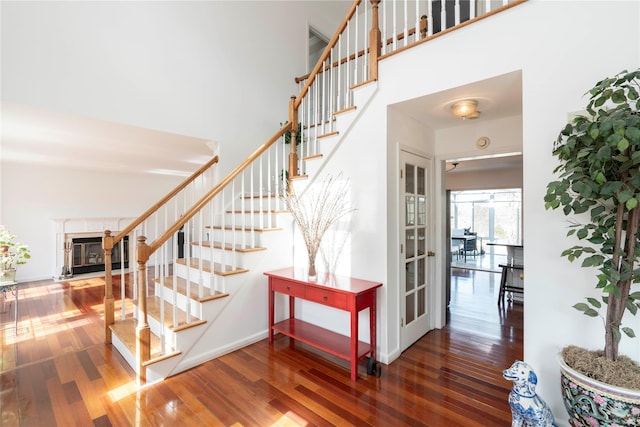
(312, 157)
(154, 305)
(125, 330)
(194, 289)
(328, 134)
(218, 269)
(257, 211)
(261, 196)
(228, 227)
(344, 110)
(229, 247)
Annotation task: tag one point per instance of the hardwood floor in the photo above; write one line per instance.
(58, 371)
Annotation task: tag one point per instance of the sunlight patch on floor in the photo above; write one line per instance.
(123, 391)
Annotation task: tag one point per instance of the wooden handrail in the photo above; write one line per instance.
(353, 56)
(410, 32)
(463, 24)
(327, 51)
(109, 241)
(217, 189)
(164, 200)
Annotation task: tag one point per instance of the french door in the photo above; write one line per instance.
(416, 281)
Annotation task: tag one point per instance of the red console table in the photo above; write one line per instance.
(344, 293)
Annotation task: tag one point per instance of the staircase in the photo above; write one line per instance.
(201, 251)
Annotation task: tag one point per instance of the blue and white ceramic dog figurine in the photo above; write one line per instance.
(527, 409)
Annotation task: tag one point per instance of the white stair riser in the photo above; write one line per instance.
(230, 236)
(202, 310)
(175, 340)
(181, 300)
(249, 219)
(226, 257)
(265, 203)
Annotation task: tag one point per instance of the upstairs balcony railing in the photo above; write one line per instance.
(370, 32)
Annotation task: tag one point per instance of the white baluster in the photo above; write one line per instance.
(174, 293)
(383, 27)
(456, 12)
(395, 29)
(211, 240)
(406, 23)
(162, 334)
(233, 225)
(429, 18)
(243, 214)
(252, 194)
(365, 43)
(223, 240)
(472, 9)
(123, 288)
(416, 36)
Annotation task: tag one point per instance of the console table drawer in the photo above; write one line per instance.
(289, 288)
(327, 297)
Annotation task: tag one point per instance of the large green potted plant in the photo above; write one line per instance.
(12, 253)
(598, 186)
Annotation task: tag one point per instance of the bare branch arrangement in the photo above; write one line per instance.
(334, 243)
(316, 210)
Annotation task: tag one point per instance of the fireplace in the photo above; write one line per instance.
(88, 256)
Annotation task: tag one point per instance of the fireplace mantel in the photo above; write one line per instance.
(68, 228)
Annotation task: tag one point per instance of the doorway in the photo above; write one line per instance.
(480, 217)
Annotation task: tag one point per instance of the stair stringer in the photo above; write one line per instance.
(241, 318)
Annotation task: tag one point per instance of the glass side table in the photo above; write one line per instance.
(11, 287)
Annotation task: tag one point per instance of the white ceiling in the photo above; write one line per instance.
(31, 135)
(497, 97)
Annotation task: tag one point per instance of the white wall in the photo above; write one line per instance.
(33, 197)
(220, 70)
(505, 135)
(547, 41)
(223, 71)
(482, 180)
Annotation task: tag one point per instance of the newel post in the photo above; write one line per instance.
(374, 41)
(107, 246)
(143, 331)
(293, 154)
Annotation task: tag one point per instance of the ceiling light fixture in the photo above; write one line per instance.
(466, 109)
(451, 166)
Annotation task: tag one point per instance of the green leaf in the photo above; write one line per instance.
(624, 195)
(618, 97)
(623, 144)
(631, 203)
(629, 332)
(585, 309)
(594, 302)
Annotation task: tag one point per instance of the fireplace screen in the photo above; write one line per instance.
(88, 255)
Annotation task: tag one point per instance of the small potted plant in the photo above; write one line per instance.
(599, 188)
(12, 253)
